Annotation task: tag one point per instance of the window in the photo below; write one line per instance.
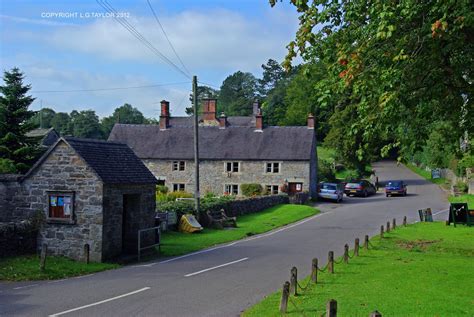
(231, 189)
(232, 167)
(179, 165)
(179, 187)
(273, 167)
(61, 206)
(272, 189)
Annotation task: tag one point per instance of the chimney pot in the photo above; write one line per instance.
(165, 115)
(222, 121)
(310, 121)
(259, 122)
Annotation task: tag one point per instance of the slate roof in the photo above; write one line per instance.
(47, 137)
(114, 163)
(237, 121)
(231, 143)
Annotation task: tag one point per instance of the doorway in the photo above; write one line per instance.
(131, 208)
(294, 188)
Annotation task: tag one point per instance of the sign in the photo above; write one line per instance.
(435, 173)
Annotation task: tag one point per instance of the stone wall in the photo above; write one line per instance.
(64, 171)
(143, 217)
(9, 187)
(255, 204)
(17, 238)
(213, 175)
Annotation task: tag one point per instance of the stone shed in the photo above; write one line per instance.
(91, 192)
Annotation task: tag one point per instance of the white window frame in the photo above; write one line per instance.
(270, 167)
(231, 192)
(176, 187)
(232, 167)
(176, 166)
(272, 189)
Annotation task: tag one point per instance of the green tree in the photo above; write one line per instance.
(122, 114)
(203, 92)
(61, 122)
(17, 152)
(272, 74)
(237, 94)
(85, 124)
(42, 118)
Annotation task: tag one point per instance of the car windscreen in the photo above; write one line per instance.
(329, 186)
(394, 184)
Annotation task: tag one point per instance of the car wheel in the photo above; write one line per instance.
(404, 193)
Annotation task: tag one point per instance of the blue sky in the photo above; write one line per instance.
(85, 50)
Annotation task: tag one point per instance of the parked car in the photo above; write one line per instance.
(359, 188)
(332, 191)
(395, 188)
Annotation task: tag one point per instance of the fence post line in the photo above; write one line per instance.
(294, 281)
(331, 262)
(331, 308)
(388, 226)
(346, 253)
(366, 242)
(44, 251)
(394, 223)
(314, 270)
(405, 220)
(375, 314)
(381, 231)
(284, 297)
(86, 253)
(356, 247)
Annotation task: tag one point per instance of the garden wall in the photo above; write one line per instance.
(17, 238)
(251, 205)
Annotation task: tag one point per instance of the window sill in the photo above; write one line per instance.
(60, 221)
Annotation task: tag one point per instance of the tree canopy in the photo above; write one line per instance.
(237, 94)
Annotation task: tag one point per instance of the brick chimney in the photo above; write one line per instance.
(209, 109)
(259, 121)
(256, 107)
(164, 115)
(222, 121)
(310, 121)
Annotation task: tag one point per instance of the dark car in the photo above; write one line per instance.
(395, 188)
(359, 188)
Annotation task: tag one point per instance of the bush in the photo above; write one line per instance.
(252, 189)
(462, 187)
(7, 166)
(466, 162)
(326, 173)
(161, 189)
(179, 207)
(162, 197)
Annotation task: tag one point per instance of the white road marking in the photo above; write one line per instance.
(439, 212)
(82, 276)
(101, 302)
(57, 281)
(26, 286)
(215, 267)
(240, 241)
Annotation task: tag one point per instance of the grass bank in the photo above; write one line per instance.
(420, 270)
(176, 243)
(23, 268)
(427, 175)
(466, 198)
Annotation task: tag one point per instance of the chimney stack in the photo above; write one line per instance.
(256, 107)
(209, 111)
(259, 121)
(164, 115)
(222, 121)
(310, 121)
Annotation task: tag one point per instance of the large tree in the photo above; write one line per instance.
(237, 94)
(17, 152)
(123, 114)
(394, 70)
(43, 118)
(85, 124)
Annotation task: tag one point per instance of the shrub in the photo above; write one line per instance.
(462, 187)
(326, 172)
(252, 189)
(180, 207)
(161, 189)
(7, 166)
(466, 162)
(162, 197)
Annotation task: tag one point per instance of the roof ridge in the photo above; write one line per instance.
(86, 140)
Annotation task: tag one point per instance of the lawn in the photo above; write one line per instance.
(466, 198)
(22, 268)
(424, 269)
(176, 243)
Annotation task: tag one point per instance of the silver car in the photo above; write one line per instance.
(332, 191)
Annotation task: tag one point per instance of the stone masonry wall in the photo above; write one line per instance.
(64, 171)
(142, 218)
(17, 238)
(213, 175)
(9, 187)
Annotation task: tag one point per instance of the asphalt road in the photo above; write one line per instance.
(225, 280)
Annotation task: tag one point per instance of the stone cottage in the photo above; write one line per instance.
(233, 151)
(90, 192)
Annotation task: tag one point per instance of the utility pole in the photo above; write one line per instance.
(41, 113)
(196, 147)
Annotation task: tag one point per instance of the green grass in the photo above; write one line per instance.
(427, 175)
(420, 270)
(23, 268)
(466, 198)
(176, 243)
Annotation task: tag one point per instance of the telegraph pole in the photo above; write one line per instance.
(196, 147)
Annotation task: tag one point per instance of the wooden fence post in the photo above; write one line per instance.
(388, 226)
(356, 247)
(284, 297)
(405, 220)
(331, 308)
(331, 262)
(294, 281)
(346, 253)
(381, 231)
(44, 251)
(366, 242)
(86, 252)
(314, 270)
(394, 223)
(375, 314)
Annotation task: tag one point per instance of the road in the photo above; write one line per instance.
(225, 280)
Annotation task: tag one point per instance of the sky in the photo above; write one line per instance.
(78, 45)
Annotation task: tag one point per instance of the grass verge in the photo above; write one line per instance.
(24, 268)
(466, 198)
(176, 243)
(419, 270)
(427, 175)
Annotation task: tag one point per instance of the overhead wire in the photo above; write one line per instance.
(166, 36)
(111, 88)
